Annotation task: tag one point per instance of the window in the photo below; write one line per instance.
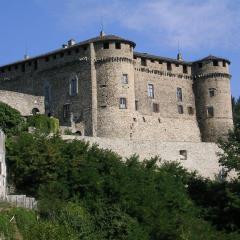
(136, 105)
(54, 56)
(118, 45)
(29, 64)
(180, 109)
(125, 78)
(155, 107)
(143, 62)
(169, 66)
(85, 47)
(160, 62)
(176, 64)
(190, 110)
(77, 50)
(212, 92)
(23, 67)
(185, 70)
(215, 63)
(46, 59)
(200, 65)
(47, 94)
(106, 45)
(66, 111)
(183, 154)
(179, 95)
(210, 112)
(150, 91)
(69, 52)
(224, 63)
(152, 60)
(35, 64)
(123, 103)
(61, 54)
(16, 67)
(73, 88)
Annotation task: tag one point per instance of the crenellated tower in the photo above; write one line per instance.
(112, 58)
(213, 97)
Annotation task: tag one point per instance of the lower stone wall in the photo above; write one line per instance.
(201, 157)
(24, 103)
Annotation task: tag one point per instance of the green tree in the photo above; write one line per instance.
(236, 111)
(11, 121)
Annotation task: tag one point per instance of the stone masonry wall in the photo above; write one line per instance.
(201, 157)
(24, 103)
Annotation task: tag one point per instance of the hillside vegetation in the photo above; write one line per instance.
(88, 193)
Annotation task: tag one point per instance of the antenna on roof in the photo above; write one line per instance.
(102, 34)
(179, 55)
(26, 56)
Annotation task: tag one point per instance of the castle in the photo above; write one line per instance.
(102, 88)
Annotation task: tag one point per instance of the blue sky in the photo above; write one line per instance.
(201, 27)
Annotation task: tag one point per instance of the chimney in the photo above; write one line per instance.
(26, 56)
(71, 42)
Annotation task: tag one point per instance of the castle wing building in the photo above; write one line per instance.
(105, 89)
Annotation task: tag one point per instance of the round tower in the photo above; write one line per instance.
(213, 97)
(114, 86)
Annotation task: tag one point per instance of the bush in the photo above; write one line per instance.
(44, 123)
(11, 121)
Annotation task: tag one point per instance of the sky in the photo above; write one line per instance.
(157, 27)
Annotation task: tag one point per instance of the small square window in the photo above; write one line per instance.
(125, 78)
(16, 67)
(85, 47)
(199, 65)
(215, 63)
(176, 64)
(156, 107)
(210, 112)
(183, 154)
(46, 59)
(150, 90)
(118, 45)
(224, 64)
(69, 52)
(190, 110)
(136, 105)
(77, 50)
(66, 111)
(185, 69)
(212, 92)
(160, 62)
(179, 95)
(123, 103)
(169, 66)
(152, 60)
(61, 54)
(143, 62)
(180, 109)
(54, 56)
(106, 45)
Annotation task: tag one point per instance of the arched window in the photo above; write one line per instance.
(35, 111)
(73, 86)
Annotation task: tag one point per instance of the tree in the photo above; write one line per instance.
(11, 121)
(236, 111)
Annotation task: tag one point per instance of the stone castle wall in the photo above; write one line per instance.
(24, 103)
(201, 157)
(95, 108)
